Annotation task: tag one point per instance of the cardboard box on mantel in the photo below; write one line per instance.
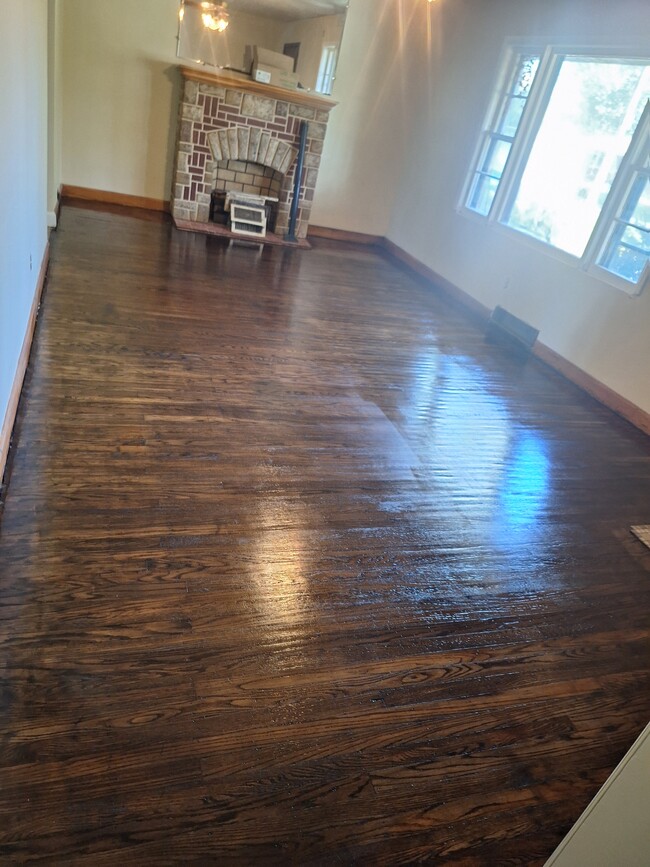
(270, 67)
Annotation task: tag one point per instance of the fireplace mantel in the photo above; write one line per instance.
(224, 79)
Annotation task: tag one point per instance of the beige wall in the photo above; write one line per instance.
(597, 327)
(54, 106)
(312, 34)
(23, 174)
(120, 94)
(367, 135)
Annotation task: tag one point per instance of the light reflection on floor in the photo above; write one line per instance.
(524, 489)
(485, 477)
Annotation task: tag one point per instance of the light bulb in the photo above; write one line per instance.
(214, 17)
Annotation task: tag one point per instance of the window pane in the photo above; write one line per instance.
(639, 238)
(513, 110)
(496, 157)
(627, 263)
(629, 248)
(525, 74)
(587, 128)
(483, 193)
(637, 208)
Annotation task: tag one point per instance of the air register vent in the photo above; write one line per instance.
(507, 328)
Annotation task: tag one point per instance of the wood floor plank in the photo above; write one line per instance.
(297, 567)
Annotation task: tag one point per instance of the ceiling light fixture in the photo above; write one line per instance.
(213, 15)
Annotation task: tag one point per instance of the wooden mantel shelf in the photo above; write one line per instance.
(224, 79)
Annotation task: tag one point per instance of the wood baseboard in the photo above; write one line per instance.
(601, 392)
(23, 359)
(128, 201)
(598, 390)
(343, 235)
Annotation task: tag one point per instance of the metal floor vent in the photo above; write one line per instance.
(507, 328)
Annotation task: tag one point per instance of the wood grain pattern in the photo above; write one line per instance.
(23, 359)
(346, 236)
(598, 390)
(605, 395)
(296, 567)
(458, 295)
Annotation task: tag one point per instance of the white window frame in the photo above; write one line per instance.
(551, 59)
(512, 54)
(634, 163)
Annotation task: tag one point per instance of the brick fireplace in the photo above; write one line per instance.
(236, 134)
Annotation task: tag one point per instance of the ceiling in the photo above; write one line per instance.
(289, 10)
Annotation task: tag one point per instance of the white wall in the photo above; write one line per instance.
(23, 174)
(601, 329)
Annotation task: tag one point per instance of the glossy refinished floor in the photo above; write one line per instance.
(295, 567)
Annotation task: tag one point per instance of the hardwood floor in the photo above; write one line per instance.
(295, 567)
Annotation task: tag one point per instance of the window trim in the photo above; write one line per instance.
(551, 59)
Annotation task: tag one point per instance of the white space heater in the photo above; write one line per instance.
(248, 219)
(248, 214)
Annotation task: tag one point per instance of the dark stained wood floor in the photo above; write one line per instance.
(296, 568)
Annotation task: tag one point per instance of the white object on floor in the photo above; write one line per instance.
(643, 534)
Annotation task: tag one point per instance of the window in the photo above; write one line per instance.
(559, 151)
(629, 245)
(326, 71)
(625, 249)
(498, 139)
